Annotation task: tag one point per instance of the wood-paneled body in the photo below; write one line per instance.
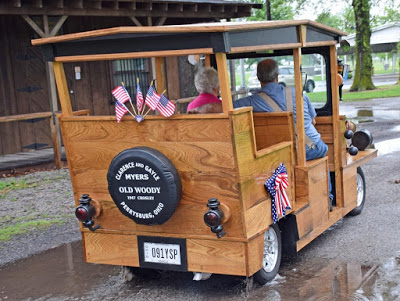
(324, 126)
(254, 167)
(200, 149)
(203, 255)
(215, 156)
(312, 187)
(273, 127)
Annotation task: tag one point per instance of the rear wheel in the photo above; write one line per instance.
(282, 84)
(310, 86)
(271, 257)
(360, 193)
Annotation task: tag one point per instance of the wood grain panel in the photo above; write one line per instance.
(212, 256)
(318, 192)
(255, 249)
(151, 130)
(305, 221)
(312, 187)
(198, 158)
(113, 249)
(257, 218)
(350, 187)
(255, 167)
(272, 128)
(207, 170)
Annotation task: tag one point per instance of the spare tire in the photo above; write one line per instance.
(144, 185)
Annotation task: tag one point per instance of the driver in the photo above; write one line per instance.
(274, 97)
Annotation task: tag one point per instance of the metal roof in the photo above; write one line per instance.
(228, 37)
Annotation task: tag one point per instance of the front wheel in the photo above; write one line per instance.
(360, 193)
(271, 257)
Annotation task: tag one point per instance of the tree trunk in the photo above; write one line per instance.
(398, 58)
(268, 9)
(362, 77)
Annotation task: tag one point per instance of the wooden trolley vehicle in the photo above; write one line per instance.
(187, 192)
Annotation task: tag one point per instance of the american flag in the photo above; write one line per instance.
(139, 98)
(165, 106)
(121, 94)
(276, 186)
(120, 110)
(152, 98)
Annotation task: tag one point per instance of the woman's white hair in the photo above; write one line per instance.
(206, 79)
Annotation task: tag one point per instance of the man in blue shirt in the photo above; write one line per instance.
(271, 94)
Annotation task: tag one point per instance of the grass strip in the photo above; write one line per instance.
(380, 92)
(7, 186)
(24, 227)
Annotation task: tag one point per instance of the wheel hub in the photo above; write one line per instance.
(270, 250)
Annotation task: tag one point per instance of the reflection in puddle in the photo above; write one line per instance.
(59, 271)
(387, 146)
(360, 115)
(323, 281)
(61, 274)
(387, 286)
(395, 129)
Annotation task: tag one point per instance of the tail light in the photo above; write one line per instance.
(85, 212)
(213, 217)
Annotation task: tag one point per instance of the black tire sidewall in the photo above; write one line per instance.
(358, 209)
(149, 171)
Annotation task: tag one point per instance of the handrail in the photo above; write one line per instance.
(54, 132)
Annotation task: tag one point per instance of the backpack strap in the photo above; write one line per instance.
(270, 102)
(289, 108)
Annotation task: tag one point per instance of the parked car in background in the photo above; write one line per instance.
(286, 78)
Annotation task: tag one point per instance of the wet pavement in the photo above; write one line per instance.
(61, 274)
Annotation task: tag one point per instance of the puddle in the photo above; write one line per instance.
(59, 271)
(395, 129)
(61, 274)
(387, 146)
(323, 281)
(360, 115)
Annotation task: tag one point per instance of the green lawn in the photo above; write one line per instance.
(382, 91)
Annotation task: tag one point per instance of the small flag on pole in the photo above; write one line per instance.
(139, 97)
(120, 110)
(165, 106)
(152, 98)
(121, 94)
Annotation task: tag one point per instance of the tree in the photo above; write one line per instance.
(363, 72)
(330, 20)
(279, 10)
(398, 53)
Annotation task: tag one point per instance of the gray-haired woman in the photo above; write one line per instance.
(207, 84)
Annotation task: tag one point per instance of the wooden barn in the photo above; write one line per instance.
(28, 97)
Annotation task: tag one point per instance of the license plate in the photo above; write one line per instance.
(162, 253)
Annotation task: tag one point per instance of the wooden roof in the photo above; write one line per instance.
(228, 37)
(194, 9)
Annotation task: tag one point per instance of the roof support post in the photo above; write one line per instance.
(160, 74)
(224, 82)
(62, 88)
(301, 151)
(337, 135)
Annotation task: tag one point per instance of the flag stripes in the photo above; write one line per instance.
(165, 106)
(152, 98)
